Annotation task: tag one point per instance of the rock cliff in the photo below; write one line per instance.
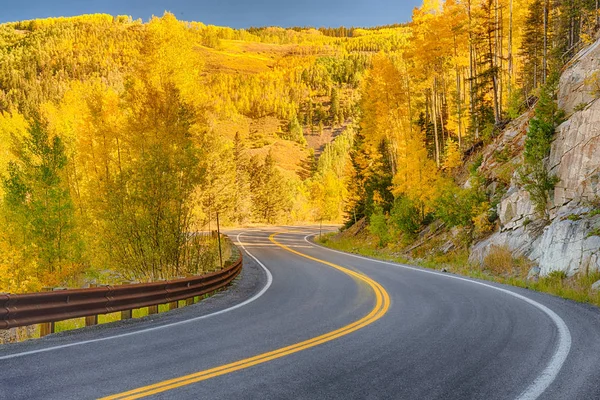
(571, 241)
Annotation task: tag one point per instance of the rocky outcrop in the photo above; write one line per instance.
(575, 158)
(579, 83)
(566, 245)
(570, 242)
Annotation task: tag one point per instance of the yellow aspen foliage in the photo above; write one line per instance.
(18, 273)
(13, 126)
(417, 177)
(453, 157)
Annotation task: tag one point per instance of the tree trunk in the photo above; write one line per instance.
(545, 52)
(510, 48)
(471, 74)
(435, 126)
(458, 95)
(493, 70)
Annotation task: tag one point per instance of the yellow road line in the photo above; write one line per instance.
(382, 304)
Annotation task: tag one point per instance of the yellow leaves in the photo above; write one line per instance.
(453, 155)
(13, 126)
(327, 194)
(481, 220)
(385, 103)
(18, 274)
(417, 176)
(170, 55)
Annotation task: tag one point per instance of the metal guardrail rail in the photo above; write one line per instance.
(46, 307)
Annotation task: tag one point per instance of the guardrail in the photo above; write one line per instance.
(48, 307)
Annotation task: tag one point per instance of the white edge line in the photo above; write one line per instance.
(547, 376)
(156, 328)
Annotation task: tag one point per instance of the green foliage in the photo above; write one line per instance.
(148, 209)
(503, 155)
(405, 216)
(474, 166)
(270, 192)
(334, 109)
(38, 201)
(295, 132)
(594, 232)
(534, 174)
(489, 132)
(378, 227)
(454, 206)
(515, 103)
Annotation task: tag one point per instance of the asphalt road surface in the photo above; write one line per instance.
(304, 322)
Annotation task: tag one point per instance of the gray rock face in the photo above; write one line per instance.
(566, 246)
(569, 242)
(515, 209)
(596, 286)
(578, 85)
(575, 158)
(520, 240)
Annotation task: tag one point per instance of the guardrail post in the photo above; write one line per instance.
(152, 310)
(46, 328)
(126, 314)
(189, 302)
(173, 305)
(91, 319)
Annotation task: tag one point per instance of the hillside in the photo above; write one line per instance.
(121, 141)
(118, 137)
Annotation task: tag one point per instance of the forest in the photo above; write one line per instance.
(120, 140)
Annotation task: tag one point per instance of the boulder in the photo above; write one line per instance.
(565, 245)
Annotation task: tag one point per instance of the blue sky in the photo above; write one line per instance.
(234, 13)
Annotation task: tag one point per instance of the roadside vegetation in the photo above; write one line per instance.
(499, 266)
(119, 139)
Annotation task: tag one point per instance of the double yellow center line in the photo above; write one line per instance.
(382, 304)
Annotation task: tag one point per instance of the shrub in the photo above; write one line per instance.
(456, 206)
(483, 221)
(515, 104)
(405, 216)
(378, 227)
(499, 260)
(557, 275)
(474, 166)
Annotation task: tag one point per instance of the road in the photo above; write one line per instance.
(304, 322)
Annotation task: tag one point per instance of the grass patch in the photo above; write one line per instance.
(106, 318)
(69, 324)
(499, 266)
(594, 232)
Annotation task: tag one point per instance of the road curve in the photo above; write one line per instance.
(310, 323)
